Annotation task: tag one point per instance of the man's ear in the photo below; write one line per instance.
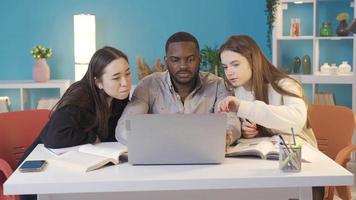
(200, 57)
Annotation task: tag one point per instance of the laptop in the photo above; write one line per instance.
(156, 139)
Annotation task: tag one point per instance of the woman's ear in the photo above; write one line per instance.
(98, 84)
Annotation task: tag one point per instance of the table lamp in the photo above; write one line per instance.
(84, 43)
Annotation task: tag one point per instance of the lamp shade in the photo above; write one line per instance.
(84, 42)
(352, 27)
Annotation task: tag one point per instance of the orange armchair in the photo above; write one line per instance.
(333, 127)
(17, 131)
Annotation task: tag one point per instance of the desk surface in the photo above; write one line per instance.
(234, 173)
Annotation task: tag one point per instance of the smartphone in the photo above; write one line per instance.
(33, 166)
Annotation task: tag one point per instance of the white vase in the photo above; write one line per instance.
(325, 69)
(333, 69)
(40, 71)
(344, 68)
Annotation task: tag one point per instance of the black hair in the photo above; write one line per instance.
(182, 37)
(87, 95)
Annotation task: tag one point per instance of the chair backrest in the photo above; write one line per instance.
(17, 131)
(333, 127)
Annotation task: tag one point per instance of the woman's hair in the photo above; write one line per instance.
(87, 95)
(263, 71)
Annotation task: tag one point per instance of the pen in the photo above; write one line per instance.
(293, 136)
(284, 143)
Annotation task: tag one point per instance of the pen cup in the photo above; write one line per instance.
(290, 158)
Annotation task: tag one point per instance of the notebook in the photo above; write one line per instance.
(176, 138)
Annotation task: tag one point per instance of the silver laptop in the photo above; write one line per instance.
(176, 138)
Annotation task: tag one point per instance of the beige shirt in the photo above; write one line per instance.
(281, 113)
(155, 95)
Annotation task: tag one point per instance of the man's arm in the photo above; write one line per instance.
(233, 122)
(139, 104)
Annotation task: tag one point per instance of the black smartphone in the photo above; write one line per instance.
(33, 166)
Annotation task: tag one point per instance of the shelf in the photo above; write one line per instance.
(24, 85)
(333, 49)
(334, 0)
(307, 37)
(335, 38)
(296, 1)
(295, 38)
(324, 79)
(10, 84)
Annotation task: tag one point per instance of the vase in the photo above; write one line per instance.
(325, 69)
(341, 29)
(296, 64)
(295, 27)
(306, 64)
(333, 69)
(344, 68)
(40, 71)
(326, 30)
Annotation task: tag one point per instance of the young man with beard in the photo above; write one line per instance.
(181, 89)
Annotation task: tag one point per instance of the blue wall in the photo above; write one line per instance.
(138, 27)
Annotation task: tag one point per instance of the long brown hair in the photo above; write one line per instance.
(263, 71)
(87, 95)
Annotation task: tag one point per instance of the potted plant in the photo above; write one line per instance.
(40, 71)
(341, 29)
(211, 61)
(270, 11)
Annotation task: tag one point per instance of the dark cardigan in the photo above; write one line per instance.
(68, 127)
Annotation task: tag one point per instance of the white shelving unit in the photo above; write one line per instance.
(315, 78)
(23, 85)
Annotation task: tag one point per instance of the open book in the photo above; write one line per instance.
(88, 157)
(264, 147)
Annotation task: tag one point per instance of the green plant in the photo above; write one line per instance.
(211, 61)
(40, 52)
(270, 11)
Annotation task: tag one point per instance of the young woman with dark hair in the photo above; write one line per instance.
(90, 108)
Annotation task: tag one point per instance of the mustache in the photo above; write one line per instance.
(184, 71)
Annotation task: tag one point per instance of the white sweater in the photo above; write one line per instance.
(281, 114)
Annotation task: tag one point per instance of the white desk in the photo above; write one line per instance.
(22, 85)
(240, 178)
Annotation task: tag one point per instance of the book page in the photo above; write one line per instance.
(107, 149)
(273, 152)
(273, 139)
(80, 161)
(245, 149)
(267, 147)
(61, 151)
(254, 147)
